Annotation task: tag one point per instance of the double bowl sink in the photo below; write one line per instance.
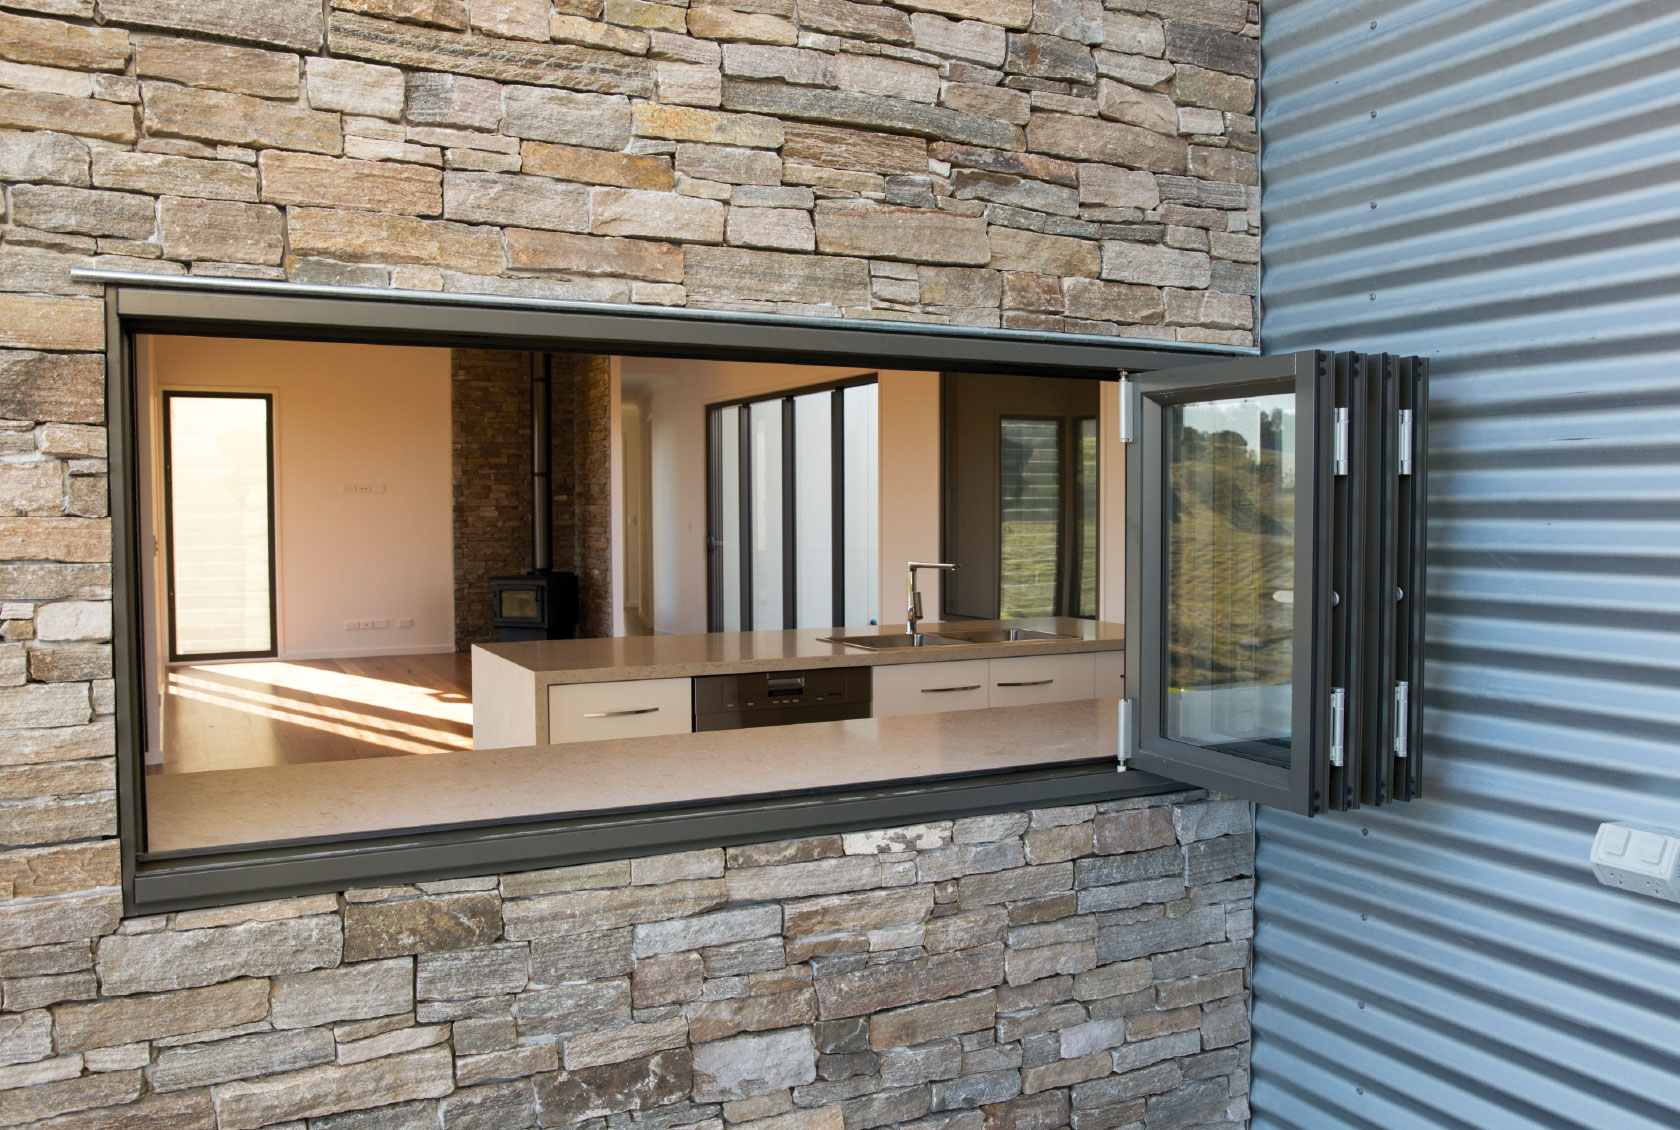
(951, 638)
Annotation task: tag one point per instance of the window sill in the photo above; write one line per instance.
(257, 833)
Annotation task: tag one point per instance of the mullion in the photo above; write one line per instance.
(837, 494)
(745, 526)
(790, 519)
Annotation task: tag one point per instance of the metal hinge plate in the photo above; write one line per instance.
(1338, 726)
(1341, 441)
(1402, 716)
(1128, 737)
(1405, 441)
(1125, 424)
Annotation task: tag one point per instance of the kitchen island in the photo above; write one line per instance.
(556, 691)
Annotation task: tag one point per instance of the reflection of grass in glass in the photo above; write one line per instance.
(1231, 549)
(1029, 569)
(1030, 519)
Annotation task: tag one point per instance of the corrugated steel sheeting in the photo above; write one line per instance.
(1512, 211)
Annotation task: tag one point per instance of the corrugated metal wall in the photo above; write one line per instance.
(1494, 184)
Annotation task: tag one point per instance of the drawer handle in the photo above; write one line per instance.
(943, 690)
(1029, 683)
(622, 713)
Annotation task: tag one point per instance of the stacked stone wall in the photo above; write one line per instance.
(1043, 164)
(1081, 967)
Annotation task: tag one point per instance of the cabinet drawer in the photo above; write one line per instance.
(1042, 678)
(930, 688)
(639, 708)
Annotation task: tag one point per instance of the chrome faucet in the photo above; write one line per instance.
(914, 613)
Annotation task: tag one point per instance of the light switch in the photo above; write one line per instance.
(1638, 858)
(1613, 838)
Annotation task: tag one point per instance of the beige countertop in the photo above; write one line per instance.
(336, 799)
(727, 653)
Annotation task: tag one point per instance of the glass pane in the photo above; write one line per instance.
(813, 416)
(1086, 520)
(519, 604)
(1230, 524)
(765, 430)
(729, 517)
(1030, 510)
(219, 524)
(862, 519)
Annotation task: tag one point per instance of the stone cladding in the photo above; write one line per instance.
(1081, 967)
(1053, 165)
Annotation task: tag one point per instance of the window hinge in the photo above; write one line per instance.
(1402, 696)
(1338, 726)
(1128, 737)
(1405, 441)
(1341, 441)
(1125, 413)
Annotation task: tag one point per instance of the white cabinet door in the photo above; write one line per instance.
(1111, 674)
(1042, 678)
(638, 708)
(929, 688)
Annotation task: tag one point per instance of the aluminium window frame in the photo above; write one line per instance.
(790, 500)
(137, 304)
(167, 425)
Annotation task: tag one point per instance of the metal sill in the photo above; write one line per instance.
(186, 882)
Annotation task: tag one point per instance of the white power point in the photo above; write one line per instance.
(405, 622)
(1638, 858)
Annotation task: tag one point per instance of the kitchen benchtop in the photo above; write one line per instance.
(728, 653)
(336, 799)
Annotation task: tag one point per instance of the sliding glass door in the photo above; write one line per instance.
(219, 524)
(792, 509)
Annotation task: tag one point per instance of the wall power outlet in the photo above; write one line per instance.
(1638, 858)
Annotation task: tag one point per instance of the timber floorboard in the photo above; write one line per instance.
(248, 714)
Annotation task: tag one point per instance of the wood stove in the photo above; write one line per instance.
(535, 606)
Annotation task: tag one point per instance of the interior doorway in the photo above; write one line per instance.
(218, 471)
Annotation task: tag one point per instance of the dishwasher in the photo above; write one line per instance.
(781, 698)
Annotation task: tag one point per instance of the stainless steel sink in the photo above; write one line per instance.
(892, 642)
(945, 639)
(1005, 635)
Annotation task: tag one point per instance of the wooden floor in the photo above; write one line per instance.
(292, 712)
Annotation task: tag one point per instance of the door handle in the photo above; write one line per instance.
(943, 690)
(622, 713)
(1029, 683)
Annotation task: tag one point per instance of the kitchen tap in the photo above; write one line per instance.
(914, 613)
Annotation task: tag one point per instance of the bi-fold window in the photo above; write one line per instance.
(1274, 577)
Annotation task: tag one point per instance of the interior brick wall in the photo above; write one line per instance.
(490, 469)
(588, 529)
(1045, 164)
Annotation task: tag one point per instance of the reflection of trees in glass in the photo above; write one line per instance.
(1030, 512)
(1085, 482)
(1230, 547)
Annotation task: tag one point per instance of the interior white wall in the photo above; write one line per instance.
(615, 490)
(1111, 508)
(373, 414)
(909, 429)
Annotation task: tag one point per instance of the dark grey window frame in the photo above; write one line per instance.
(790, 500)
(139, 304)
(168, 453)
(1359, 579)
